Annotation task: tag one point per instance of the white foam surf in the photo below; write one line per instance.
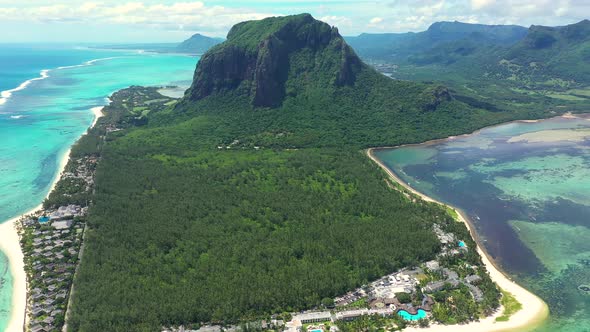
(5, 95)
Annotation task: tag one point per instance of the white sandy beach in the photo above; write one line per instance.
(534, 311)
(10, 246)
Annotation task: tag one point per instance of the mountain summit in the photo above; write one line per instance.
(197, 44)
(259, 56)
(300, 84)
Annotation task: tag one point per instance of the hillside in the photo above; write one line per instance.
(399, 46)
(197, 44)
(562, 52)
(546, 68)
(251, 196)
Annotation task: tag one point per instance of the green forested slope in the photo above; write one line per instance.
(548, 68)
(232, 204)
(397, 47)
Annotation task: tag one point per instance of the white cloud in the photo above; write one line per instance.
(479, 4)
(431, 9)
(338, 21)
(193, 15)
(376, 20)
(215, 17)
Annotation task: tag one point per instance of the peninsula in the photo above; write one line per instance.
(287, 178)
(252, 198)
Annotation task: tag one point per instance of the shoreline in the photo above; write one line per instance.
(10, 246)
(567, 115)
(534, 310)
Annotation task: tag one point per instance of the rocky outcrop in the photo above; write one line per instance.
(257, 58)
(435, 97)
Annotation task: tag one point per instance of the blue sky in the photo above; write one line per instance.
(104, 21)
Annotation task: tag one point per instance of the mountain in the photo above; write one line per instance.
(258, 59)
(398, 46)
(554, 51)
(252, 195)
(323, 90)
(538, 52)
(197, 44)
(543, 53)
(505, 67)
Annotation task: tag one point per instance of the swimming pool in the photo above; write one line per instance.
(43, 219)
(316, 330)
(462, 244)
(420, 314)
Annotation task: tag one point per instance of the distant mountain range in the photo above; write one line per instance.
(398, 46)
(196, 44)
(559, 51)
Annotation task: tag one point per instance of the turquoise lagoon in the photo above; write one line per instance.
(42, 118)
(526, 188)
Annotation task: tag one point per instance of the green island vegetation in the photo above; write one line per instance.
(52, 238)
(452, 212)
(492, 67)
(375, 323)
(510, 304)
(252, 196)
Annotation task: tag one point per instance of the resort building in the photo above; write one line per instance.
(433, 265)
(475, 292)
(64, 224)
(473, 279)
(351, 314)
(434, 286)
(450, 274)
(314, 317)
(64, 212)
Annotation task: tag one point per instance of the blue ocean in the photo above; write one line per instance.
(47, 93)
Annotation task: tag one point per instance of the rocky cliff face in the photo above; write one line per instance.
(257, 59)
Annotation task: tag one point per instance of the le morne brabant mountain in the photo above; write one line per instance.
(495, 67)
(252, 195)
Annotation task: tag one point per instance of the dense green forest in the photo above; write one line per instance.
(217, 209)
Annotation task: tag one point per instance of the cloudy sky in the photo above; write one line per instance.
(172, 20)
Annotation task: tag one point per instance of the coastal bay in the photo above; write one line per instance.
(41, 118)
(531, 316)
(523, 198)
